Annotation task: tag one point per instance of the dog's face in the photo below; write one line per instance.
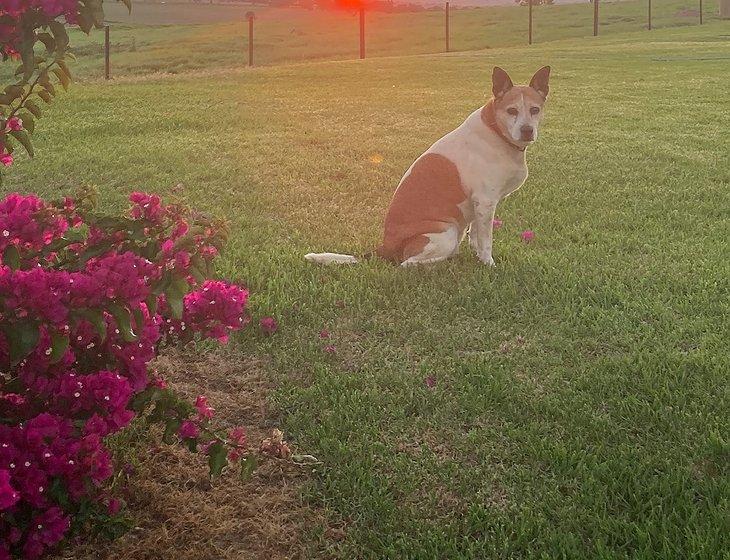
(518, 109)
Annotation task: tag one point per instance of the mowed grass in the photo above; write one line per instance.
(162, 37)
(581, 400)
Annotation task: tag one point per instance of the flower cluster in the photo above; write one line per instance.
(16, 11)
(213, 311)
(85, 303)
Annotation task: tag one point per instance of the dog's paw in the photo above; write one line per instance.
(487, 259)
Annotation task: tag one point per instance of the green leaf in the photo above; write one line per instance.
(59, 33)
(142, 400)
(28, 121)
(96, 318)
(44, 95)
(45, 80)
(174, 294)
(248, 466)
(58, 492)
(59, 344)
(24, 138)
(48, 40)
(91, 252)
(191, 444)
(62, 77)
(14, 91)
(63, 66)
(84, 20)
(11, 257)
(138, 318)
(28, 57)
(171, 428)
(33, 108)
(22, 338)
(123, 319)
(217, 459)
(151, 302)
(97, 13)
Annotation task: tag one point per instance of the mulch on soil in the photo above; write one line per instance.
(179, 513)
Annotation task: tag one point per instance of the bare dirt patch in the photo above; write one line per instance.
(179, 513)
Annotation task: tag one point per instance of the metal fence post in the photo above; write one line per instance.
(250, 16)
(447, 27)
(107, 58)
(595, 18)
(529, 26)
(362, 33)
(700, 12)
(649, 15)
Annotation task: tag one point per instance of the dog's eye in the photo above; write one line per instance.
(512, 111)
(534, 110)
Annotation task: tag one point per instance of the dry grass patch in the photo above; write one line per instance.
(179, 512)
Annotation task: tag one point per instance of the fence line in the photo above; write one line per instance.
(250, 16)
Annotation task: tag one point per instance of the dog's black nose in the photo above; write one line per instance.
(527, 133)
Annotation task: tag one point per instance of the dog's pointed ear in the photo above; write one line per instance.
(539, 81)
(501, 82)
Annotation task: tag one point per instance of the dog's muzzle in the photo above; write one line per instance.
(527, 133)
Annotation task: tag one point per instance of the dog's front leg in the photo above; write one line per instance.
(480, 232)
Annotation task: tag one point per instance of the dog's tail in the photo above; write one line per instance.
(331, 258)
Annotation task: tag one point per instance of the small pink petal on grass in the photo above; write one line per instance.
(330, 349)
(527, 236)
(268, 325)
(430, 382)
(324, 333)
(496, 223)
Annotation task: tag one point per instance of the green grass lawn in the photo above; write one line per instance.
(581, 401)
(142, 44)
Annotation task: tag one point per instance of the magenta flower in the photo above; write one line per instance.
(6, 159)
(528, 235)
(324, 333)
(496, 223)
(237, 436)
(268, 325)
(188, 429)
(430, 381)
(8, 495)
(14, 123)
(330, 349)
(114, 506)
(205, 412)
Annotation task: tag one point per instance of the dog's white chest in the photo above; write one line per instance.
(515, 177)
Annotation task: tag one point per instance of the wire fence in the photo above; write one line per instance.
(179, 37)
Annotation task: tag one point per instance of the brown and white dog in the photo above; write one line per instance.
(457, 183)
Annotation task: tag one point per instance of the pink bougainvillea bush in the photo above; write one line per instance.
(87, 301)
